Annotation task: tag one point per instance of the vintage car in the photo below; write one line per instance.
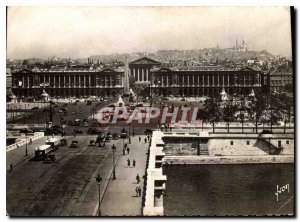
(74, 144)
(92, 143)
(102, 144)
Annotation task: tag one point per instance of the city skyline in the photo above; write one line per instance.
(80, 32)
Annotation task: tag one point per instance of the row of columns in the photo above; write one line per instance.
(141, 74)
(211, 80)
(106, 81)
(200, 91)
(74, 92)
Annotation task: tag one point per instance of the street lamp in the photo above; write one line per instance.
(99, 182)
(129, 139)
(114, 170)
(26, 151)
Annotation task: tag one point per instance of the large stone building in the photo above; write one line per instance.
(140, 69)
(66, 82)
(178, 81)
(206, 81)
(280, 81)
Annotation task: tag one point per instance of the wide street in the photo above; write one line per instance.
(68, 186)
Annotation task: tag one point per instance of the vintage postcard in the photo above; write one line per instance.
(150, 111)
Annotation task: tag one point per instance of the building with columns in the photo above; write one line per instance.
(206, 81)
(66, 82)
(140, 69)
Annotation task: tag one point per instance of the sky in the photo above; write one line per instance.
(80, 32)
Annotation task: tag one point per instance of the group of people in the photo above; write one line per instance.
(126, 148)
(145, 140)
(138, 191)
(133, 162)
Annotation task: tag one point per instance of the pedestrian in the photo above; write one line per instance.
(133, 162)
(145, 140)
(137, 178)
(139, 139)
(11, 167)
(30, 141)
(140, 191)
(128, 162)
(124, 151)
(136, 191)
(128, 149)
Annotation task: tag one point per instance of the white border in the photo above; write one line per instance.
(4, 3)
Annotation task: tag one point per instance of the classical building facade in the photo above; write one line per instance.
(279, 81)
(140, 69)
(206, 81)
(68, 82)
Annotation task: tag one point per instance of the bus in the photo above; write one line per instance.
(53, 142)
(42, 151)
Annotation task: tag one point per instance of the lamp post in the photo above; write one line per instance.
(99, 182)
(133, 128)
(114, 170)
(129, 139)
(26, 151)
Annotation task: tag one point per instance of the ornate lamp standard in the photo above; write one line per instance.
(114, 170)
(99, 182)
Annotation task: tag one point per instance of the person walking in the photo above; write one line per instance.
(139, 139)
(137, 179)
(136, 191)
(133, 162)
(128, 162)
(128, 149)
(145, 140)
(124, 150)
(139, 191)
(11, 167)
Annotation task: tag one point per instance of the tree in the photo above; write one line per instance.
(242, 111)
(256, 109)
(281, 104)
(212, 111)
(229, 110)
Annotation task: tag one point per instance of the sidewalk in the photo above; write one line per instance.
(120, 198)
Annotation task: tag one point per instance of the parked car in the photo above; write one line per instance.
(63, 142)
(92, 143)
(109, 136)
(102, 144)
(124, 134)
(115, 136)
(78, 131)
(74, 144)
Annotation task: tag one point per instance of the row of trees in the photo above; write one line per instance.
(261, 109)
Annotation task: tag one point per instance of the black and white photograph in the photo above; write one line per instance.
(147, 111)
